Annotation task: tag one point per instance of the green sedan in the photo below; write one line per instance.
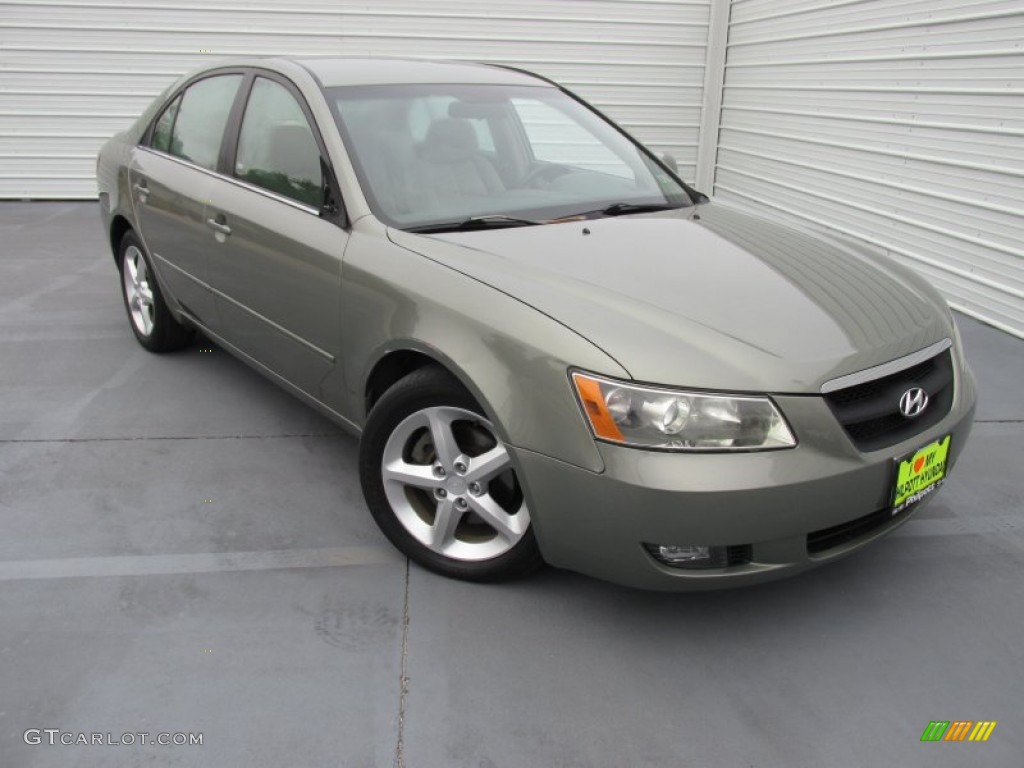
(553, 349)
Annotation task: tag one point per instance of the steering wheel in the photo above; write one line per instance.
(543, 175)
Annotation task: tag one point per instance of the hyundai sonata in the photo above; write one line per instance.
(554, 350)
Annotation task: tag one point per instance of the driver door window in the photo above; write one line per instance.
(276, 147)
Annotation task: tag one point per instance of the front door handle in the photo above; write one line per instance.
(220, 225)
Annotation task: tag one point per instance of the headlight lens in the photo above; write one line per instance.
(648, 417)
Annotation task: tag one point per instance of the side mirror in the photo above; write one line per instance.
(671, 162)
(330, 208)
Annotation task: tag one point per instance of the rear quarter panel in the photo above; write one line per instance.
(112, 182)
(112, 163)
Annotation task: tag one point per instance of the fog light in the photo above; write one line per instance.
(676, 555)
(697, 556)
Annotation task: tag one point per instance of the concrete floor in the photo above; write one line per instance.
(184, 548)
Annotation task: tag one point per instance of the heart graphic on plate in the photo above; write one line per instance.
(918, 464)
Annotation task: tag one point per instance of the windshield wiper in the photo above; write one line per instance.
(621, 209)
(618, 209)
(489, 221)
(500, 220)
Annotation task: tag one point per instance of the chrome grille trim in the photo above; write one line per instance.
(886, 369)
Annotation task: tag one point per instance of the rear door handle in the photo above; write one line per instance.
(142, 189)
(221, 226)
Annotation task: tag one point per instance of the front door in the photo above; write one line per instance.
(275, 261)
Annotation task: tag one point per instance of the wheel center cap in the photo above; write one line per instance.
(455, 485)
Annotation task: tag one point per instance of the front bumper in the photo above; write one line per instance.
(597, 523)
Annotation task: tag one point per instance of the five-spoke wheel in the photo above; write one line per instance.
(152, 322)
(137, 291)
(441, 483)
(450, 482)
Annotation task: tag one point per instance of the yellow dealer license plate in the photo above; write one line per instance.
(920, 474)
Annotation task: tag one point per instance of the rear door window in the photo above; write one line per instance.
(199, 127)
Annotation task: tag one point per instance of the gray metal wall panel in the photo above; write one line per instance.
(898, 121)
(76, 71)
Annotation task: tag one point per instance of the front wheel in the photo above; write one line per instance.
(441, 484)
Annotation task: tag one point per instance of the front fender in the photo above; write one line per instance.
(514, 359)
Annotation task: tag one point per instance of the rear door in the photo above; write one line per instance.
(171, 178)
(275, 249)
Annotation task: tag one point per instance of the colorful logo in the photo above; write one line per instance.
(958, 730)
(920, 474)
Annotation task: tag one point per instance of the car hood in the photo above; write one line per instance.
(707, 297)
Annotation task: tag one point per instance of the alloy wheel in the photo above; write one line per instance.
(137, 290)
(452, 486)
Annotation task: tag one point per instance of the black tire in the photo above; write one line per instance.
(150, 320)
(392, 426)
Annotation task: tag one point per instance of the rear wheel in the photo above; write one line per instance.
(441, 484)
(151, 321)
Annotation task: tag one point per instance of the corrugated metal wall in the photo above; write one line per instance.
(73, 72)
(898, 121)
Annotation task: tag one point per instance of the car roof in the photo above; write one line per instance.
(338, 70)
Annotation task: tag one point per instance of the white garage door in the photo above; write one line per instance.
(73, 72)
(898, 121)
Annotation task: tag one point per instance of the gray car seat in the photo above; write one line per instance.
(450, 165)
(388, 164)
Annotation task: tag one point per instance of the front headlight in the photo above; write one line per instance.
(647, 417)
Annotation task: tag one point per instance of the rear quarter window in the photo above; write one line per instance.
(161, 138)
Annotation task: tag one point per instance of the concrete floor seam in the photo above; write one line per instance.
(212, 562)
(403, 680)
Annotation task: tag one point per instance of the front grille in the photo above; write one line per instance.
(837, 535)
(870, 412)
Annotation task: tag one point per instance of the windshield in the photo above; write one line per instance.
(434, 156)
